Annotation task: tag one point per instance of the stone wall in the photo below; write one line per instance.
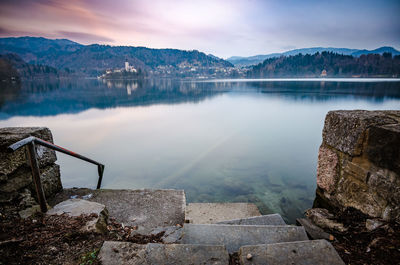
(17, 190)
(359, 163)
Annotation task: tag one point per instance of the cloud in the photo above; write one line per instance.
(220, 27)
(85, 37)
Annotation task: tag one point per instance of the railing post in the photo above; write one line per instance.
(36, 176)
(100, 170)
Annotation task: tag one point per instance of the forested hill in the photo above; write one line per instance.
(335, 65)
(95, 59)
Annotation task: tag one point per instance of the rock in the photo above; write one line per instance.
(249, 256)
(28, 212)
(19, 179)
(327, 170)
(314, 232)
(345, 130)
(383, 146)
(9, 162)
(359, 163)
(372, 224)
(51, 181)
(322, 218)
(77, 207)
(210, 213)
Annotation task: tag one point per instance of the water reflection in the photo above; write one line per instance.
(54, 97)
(219, 141)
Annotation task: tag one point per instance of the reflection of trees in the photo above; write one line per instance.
(325, 90)
(9, 92)
(71, 96)
(75, 95)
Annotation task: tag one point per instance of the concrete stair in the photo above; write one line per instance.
(270, 219)
(211, 213)
(235, 236)
(211, 232)
(309, 252)
(117, 253)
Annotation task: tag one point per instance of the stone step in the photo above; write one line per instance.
(300, 253)
(270, 219)
(145, 208)
(210, 213)
(235, 236)
(126, 253)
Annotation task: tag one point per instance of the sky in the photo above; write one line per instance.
(221, 27)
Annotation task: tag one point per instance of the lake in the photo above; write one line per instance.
(221, 141)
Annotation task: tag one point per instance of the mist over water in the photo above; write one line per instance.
(225, 140)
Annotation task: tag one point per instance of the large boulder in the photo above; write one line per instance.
(359, 162)
(9, 162)
(15, 171)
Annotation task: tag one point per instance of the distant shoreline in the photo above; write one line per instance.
(338, 79)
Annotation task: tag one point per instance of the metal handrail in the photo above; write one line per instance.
(30, 143)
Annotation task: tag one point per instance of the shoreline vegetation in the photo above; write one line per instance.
(29, 58)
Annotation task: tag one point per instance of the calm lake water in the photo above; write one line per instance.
(227, 140)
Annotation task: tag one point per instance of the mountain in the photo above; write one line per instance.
(21, 69)
(94, 59)
(380, 50)
(328, 64)
(253, 60)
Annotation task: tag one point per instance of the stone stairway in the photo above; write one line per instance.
(210, 232)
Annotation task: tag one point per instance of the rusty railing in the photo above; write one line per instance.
(31, 142)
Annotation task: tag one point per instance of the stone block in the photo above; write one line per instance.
(345, 130)
(51, 180)
(383, 146)
(20, 178)
(235, 236)
(328, 169)
(77, 207)
(270, 219)
(9, 162)
(113, 252)
(300, 253)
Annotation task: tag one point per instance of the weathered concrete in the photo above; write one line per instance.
(172, 234)
(145, 208)
(359, 163)
(313, 252)
(210, 213)
(77, 207)
(235, 236)
(133, 254)
(270, 219)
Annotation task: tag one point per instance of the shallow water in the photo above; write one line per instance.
(225, 140)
